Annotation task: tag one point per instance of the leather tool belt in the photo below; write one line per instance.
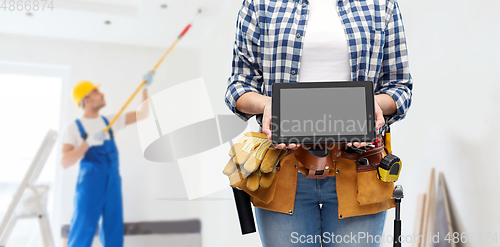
(373, 156)
(320, 163)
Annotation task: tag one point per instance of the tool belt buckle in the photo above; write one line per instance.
(319, 172)
(318, 162)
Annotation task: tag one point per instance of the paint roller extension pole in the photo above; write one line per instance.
(144, 81)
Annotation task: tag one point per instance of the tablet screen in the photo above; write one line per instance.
(323, 111)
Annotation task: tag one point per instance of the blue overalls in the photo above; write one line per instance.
(98, 192)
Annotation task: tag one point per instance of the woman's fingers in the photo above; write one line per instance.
(289, 146)
(280, 146)
(379, 116)
(266, 121)
(357, 144)
(380, 121)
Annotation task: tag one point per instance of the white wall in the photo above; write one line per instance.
(452, 123)
(450, 126)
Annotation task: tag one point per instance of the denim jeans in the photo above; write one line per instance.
(315, 225)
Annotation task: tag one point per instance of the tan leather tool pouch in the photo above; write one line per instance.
(265, 195)
(370, 189)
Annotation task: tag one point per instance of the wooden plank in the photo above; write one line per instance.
(428, 210)
(442, 224)
(419, 218)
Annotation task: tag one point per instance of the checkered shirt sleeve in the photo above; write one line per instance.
(246, 66)
(395, 78)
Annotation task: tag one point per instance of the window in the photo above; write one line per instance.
(29, 106)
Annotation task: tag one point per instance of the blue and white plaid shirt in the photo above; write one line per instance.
(269, 42)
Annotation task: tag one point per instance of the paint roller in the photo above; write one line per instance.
(186, 29)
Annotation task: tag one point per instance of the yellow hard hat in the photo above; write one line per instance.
(81, 89)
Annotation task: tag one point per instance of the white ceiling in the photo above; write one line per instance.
(135, 22)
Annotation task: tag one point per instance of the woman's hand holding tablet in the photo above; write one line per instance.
(266, 128)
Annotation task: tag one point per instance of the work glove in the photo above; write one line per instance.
(253, 160)
(96, 139)
(148, 77)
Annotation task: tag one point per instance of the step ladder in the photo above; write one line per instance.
(38, 199)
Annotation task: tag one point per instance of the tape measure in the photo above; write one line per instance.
(389, 168)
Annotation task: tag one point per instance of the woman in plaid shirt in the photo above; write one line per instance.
(291, 41)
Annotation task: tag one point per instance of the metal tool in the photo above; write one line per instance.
(244, 208)
(397, 195)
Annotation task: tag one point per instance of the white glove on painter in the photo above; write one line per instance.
(148, 77)
(96, 139)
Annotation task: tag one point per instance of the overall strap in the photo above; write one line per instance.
(83, 134)
(107, 123)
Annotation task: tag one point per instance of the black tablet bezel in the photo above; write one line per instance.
(370, 113)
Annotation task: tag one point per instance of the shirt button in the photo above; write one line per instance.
(303, 5)
(293, 72)
(298, 35)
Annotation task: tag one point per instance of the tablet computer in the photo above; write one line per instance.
(323, 112)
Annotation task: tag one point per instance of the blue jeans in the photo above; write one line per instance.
(315, 225)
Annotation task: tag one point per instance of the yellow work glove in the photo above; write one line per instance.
(252, 159)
